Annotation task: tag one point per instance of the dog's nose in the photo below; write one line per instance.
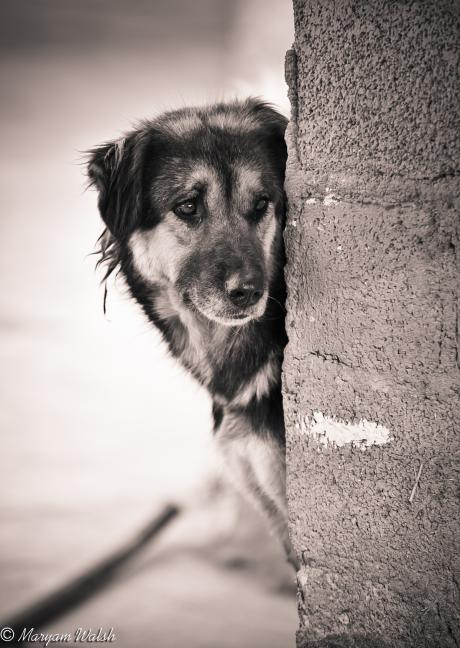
(245, 295)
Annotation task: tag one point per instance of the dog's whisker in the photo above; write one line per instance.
(277, 302)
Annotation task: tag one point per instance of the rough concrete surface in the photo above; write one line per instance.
(372, 246)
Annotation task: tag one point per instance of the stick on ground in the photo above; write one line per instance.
(88, 583)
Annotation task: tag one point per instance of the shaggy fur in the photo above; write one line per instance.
(193, 204)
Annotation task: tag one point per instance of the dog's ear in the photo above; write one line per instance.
(116, 169)
(269, 118)
(272, 129)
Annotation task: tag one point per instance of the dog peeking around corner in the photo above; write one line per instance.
(193, 204)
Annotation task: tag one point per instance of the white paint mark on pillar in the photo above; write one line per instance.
(331, 431)
(330, 199)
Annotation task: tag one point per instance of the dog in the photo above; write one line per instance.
(194, 206)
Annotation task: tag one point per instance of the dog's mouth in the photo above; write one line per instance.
(216, 310)
(238, 320)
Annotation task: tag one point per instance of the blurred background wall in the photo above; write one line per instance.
(98, 427)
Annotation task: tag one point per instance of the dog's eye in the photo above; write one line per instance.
(261, 205)
(187, 208)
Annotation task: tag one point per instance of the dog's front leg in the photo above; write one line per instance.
(256, 465)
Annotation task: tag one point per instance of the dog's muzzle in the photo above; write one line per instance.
(245, 295)
(244, 290)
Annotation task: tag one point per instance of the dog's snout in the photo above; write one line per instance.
(244, 290)
(245, 295)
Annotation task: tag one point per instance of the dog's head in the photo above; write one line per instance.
(196, 198)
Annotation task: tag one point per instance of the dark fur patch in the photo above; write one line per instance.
(217, 415)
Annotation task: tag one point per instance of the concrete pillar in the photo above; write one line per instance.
(371, 375)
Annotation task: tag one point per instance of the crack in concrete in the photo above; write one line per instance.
(330, 357)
